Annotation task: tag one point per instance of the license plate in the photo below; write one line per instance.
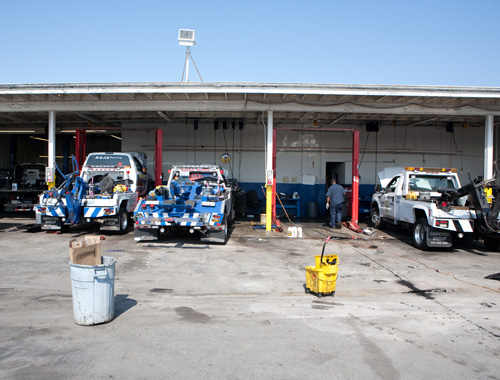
(51, 221)
(110, 222)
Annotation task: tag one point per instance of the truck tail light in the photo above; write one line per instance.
(442, 223)
(144, 205)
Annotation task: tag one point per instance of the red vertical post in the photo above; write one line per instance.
(80, 147)
(355, 179)
(158, 157)
(273, 205)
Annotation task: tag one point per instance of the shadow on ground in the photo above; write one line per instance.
(123, 304)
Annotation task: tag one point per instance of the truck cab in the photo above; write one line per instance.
(129, 168)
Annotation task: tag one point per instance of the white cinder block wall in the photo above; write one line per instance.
(306, 153)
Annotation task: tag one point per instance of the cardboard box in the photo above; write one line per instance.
(85, 251)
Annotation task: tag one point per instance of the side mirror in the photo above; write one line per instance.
(378, 189)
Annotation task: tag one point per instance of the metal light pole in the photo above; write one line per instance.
(187, 38)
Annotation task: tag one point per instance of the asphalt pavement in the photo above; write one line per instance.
(188, 310)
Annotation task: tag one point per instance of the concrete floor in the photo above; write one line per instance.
(186, 310)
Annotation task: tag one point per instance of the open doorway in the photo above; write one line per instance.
(334, 170)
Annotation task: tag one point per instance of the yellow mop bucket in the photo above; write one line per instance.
(322, 278)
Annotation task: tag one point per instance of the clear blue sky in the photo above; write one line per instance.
(402, 42)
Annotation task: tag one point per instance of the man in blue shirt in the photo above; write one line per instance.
(334, 200)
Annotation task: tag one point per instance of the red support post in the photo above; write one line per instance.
(158, 157)
(355, 180)
(80, 147)
(273, 204)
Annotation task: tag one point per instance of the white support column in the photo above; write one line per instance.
(488, 147)
(269, 156)
(269, 171)
(51, 162)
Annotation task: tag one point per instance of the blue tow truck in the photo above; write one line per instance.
(196, 198)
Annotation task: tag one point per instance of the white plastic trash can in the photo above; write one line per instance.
(93, 289)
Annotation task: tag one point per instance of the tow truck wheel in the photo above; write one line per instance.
(225, 231)
(377, 221)
(420, 234)
(492, 244)
(122, 221)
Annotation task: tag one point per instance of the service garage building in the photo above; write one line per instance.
(304, 132)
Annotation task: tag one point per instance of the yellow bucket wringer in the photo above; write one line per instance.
(322, 278)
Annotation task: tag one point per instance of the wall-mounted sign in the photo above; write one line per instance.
(269, 177)
(225, 158)
(49, 174)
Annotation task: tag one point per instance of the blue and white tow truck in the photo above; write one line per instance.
(196, 198)
(105, 192)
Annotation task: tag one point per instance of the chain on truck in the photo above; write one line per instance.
(105, 192)
(432, 203)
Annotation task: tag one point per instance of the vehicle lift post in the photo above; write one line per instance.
(80, 147)
(353, 223)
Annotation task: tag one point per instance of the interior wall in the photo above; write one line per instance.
(302, 153)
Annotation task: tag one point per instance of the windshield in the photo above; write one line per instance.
(431, 183)
(107, 160)
(190, 177)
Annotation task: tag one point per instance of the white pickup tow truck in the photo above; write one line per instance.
(105, 192)
(411, 197)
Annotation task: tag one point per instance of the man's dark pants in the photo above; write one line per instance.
(335, 214)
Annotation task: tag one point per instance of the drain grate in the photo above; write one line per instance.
(161, 290)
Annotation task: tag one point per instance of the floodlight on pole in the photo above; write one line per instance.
(187, 39)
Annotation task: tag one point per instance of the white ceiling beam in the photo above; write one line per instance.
(93, 119)
(164, 116)
(429, 100)
(95, 96)
(337, 119)
(422, 122)
(240, 105)
(13, 118)
(40, 97)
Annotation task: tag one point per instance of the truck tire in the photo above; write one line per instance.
(230, 217)
(492, 244)
(225, 231)
(420, 234)
(122, 221)
(375, 218)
